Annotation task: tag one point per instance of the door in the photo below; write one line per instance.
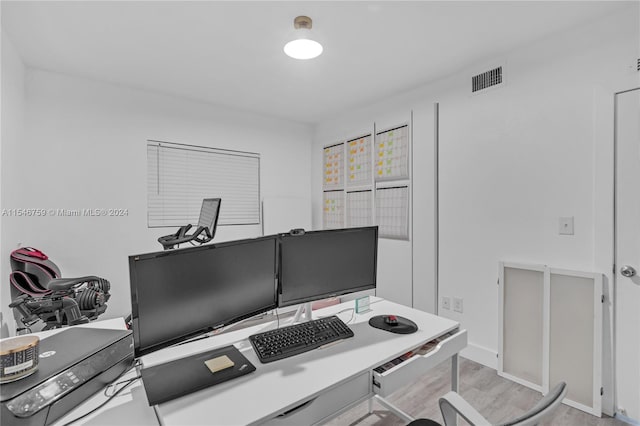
(627, 252)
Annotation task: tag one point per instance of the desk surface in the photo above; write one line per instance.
(279, 386)
(273, 387)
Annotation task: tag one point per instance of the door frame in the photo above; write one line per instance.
(615, 248)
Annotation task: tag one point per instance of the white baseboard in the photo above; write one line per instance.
(481, 355)
(628, 420)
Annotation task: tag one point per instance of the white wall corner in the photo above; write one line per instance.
(12, 118)
(481, 355)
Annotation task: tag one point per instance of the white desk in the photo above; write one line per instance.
(314, 386)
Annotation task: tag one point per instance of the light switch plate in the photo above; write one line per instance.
(566, 226)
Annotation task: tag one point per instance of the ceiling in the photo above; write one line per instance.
(230, 53)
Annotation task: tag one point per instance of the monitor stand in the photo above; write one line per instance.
(303, 314)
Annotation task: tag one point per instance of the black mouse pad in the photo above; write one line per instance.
(404, 325)
(183, 376)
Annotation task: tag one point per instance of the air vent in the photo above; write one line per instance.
(486, 79)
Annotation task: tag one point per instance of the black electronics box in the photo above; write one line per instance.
(74, 364)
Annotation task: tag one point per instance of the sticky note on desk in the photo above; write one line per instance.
(219, 363)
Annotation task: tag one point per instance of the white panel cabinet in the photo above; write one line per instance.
(551, 331)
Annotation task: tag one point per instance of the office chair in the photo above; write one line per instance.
(205, 231)
(452, 404)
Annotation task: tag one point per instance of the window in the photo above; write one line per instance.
(180, 176)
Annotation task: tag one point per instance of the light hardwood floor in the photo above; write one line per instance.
(496, 398)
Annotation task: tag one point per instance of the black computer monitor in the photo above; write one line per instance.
(179, 294)
(319, 264)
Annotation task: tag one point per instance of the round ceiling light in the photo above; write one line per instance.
(303, 47)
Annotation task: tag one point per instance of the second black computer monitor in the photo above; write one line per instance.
(320, 264)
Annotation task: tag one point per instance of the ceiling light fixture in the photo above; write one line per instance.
(303, 47)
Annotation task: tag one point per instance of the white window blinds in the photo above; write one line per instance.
(180, 176)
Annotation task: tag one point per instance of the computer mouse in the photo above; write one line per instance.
(390, 319)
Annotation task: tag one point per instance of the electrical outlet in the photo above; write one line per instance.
(446, 303)
(457, 304)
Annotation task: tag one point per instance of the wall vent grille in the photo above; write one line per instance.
(486, 79)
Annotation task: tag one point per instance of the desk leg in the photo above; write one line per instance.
(389, 406)
(454, 373)
(455, 378)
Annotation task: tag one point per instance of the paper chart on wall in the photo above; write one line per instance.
(392, 212)
(359, 161)
(333, 167)
(359, 208)
(333, 210)
(392, 154)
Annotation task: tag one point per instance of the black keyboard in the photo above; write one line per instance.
(298, 338)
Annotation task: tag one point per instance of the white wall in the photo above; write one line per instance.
(515, 159)
(12, 118)
(84, 146)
